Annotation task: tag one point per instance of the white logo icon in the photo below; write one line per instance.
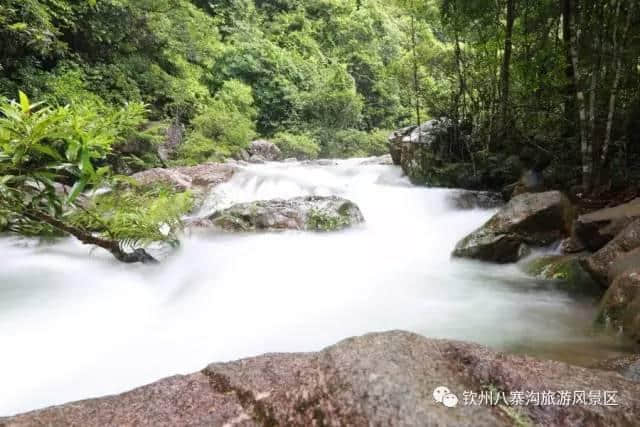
(443, 395)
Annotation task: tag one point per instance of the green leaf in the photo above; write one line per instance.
(46, 150)
(76, 190)
(72, 151)
(24, 102)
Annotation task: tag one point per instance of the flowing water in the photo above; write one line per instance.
(76, 324)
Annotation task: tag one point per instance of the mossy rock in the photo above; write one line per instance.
(620, 306)
(311, 213)
(566, 273)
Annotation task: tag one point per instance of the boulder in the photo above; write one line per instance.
(466, 199)
(616, 256)
(313, 213)
(565, 272)
(528, 220)
(266, 150)
(620, 307)
(597, 228)
(628, 366)
(186, 177)
(390, 378)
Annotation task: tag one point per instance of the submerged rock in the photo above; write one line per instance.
(616, 256)
(186, 177)
(597, 228)
(528, 220)
(313, 213)
(565, 271)
(264, 150)
(377, 379)
(620, 307)
(384, 160)
(464, 199)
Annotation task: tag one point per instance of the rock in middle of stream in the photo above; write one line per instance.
(312, 213)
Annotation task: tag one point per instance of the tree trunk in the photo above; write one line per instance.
(585, 142)
(505, 72)
(569, 103)
(416, 84)
(138, 255)
(617, 48)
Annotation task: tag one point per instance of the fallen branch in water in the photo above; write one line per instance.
(113, 246)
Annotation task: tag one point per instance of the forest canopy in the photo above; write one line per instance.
(553, 84)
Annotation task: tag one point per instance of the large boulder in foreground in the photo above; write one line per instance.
(528, 220)
(264, 150)
(620, 254)
(597, 228)
(620, 307)
(313, 213)
(377, 379)
(187, 177)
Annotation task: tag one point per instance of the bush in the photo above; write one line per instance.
(302, 146)
(355, 143)
(224, 128)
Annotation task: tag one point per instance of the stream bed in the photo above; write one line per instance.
(75, 324)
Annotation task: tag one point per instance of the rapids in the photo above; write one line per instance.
(74, 323)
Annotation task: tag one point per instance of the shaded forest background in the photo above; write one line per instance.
(549, 85)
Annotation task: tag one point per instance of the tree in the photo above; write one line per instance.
(42, 146)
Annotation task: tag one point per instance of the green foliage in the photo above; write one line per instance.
(224, 128)
(41, 147)
(355, 143)
(298, 145)
(136, 216)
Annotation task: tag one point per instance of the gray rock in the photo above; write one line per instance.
(619, 254)
(264, 149)
(385, 160)
(597, 228)
(186, 177)
(377, 379)
(620, 306)
(528, 220)
(313, 213)
(632, 372)
(464, 199)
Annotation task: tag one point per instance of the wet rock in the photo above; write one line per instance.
(464, 199)
(597, 228)
(531, 181)
(186, 177)
(257, 159)
(385, 160)
(377, 379)
(313, 213)
(621, 252)
(566, 273)
(632, 372)
(528, 220)
(620, 307)
(264, 149)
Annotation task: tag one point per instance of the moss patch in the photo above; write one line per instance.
(566, 272)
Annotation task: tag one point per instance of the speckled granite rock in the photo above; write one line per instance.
(377, 379)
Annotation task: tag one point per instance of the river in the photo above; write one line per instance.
(74, 323)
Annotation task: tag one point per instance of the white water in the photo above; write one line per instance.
(75, 324)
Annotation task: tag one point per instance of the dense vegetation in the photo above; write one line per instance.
(558, 79)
